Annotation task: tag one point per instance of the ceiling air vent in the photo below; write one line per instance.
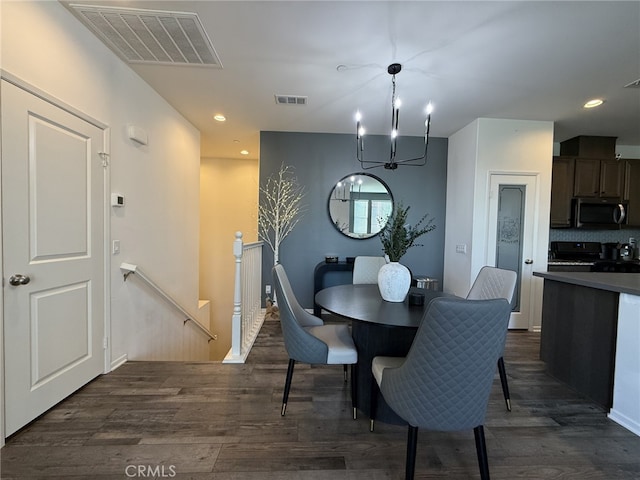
(634, 84)
(151, 36)
(291, 100)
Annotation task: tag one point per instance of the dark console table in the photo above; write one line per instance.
(319, 278)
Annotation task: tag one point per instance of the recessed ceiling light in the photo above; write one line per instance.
(596, 102)
(219, 117)
(244, 152)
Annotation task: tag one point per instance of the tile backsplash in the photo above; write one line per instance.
(583, 235)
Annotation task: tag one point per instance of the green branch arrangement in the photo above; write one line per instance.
(398, 236)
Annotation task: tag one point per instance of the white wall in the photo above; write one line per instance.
(228, 204)
(484, 147)
(1, 269)
(46, 47)
(461, 174)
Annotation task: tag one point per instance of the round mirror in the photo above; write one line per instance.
(359, 205)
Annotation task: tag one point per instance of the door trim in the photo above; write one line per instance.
(32, 89)
(47, 97)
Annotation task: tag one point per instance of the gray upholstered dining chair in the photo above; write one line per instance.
(493, 282)
(445, 380)
(307, 339)
(365, 269)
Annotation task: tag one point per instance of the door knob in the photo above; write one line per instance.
(528, 261)
(18, 279)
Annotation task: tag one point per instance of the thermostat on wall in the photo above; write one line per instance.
(117, 200)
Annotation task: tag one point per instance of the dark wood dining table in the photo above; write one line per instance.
(378, 327)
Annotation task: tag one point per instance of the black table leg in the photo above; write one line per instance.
(372, 340)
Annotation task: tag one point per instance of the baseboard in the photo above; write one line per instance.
(118, 362)
(626, 422)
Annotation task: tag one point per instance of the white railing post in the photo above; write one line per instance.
(236, 319)
(248, 315)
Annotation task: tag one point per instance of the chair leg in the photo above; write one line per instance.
(481, 449)
(354, 390)
(373, 402)
(287, 386)
(344, 367)
(503, 381)
(412, 444)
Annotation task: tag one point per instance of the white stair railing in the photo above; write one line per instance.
(128, 269)
(248, 316)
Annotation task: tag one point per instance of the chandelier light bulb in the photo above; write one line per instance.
(361, 131)
(394, 133)
(358, 116)
(429, 108)
(397, 103)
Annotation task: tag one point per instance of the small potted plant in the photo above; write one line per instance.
(397, 236)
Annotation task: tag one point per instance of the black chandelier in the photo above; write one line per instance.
(392, 164)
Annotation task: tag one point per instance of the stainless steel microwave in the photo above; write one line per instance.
(600, 213)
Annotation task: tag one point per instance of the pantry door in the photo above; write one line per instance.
(513, 212)
(53, 184)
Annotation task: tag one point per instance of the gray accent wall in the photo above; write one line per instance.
(320, 160)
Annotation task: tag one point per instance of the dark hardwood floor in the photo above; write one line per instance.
(213, 421)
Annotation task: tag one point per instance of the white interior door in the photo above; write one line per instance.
(510, 236)
(53, 253)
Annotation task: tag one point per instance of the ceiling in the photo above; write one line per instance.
(504, 59)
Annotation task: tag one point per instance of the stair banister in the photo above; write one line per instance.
(236, 319)
(248, 315)
(128, 269)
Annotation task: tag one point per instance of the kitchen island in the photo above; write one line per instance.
(591, 338)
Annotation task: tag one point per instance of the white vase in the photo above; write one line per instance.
(394, 280)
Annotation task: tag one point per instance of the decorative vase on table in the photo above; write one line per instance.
(394, 280)
(397, 236)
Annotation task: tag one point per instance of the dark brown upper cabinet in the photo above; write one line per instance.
(597, 172)
(598, 178)
(631, 191)
(585, 146)
(587, 167)
(562, 176)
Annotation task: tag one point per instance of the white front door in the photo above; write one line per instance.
(510, 243)
(53, 253)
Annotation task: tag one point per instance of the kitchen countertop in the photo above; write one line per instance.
(570, 262)
(612, 282)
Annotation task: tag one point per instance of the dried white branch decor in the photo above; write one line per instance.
(280, 208)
